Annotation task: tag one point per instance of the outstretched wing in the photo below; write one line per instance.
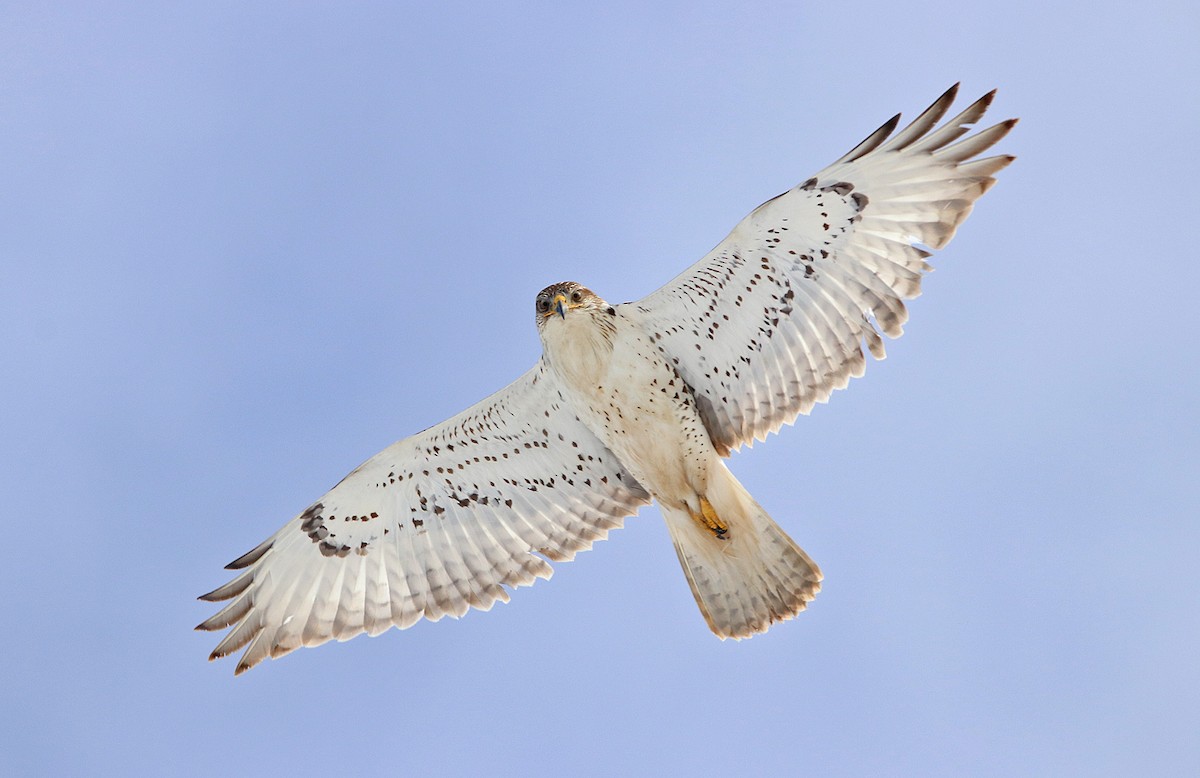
(431, 526)
(774, 318)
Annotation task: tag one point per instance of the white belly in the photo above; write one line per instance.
(632, 399)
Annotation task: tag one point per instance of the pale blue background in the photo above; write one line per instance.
(243, 248)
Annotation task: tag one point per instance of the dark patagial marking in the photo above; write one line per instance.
(312, 523)
(809, 185)
(330, 549)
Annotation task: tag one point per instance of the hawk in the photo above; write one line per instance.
(631, 403)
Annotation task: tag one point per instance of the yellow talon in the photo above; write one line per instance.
(709, 518)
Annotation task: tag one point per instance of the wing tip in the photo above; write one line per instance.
(251, 556)
(872, 141)
(230, 590)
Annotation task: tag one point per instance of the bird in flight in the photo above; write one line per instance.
(632, 403)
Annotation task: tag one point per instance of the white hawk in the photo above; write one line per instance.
(630, 403)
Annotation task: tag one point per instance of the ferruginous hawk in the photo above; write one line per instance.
(630, 403)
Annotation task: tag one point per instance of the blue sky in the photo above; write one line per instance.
(244, 248)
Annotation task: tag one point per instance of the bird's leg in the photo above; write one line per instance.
(709, 519)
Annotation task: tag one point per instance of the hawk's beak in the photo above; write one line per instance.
(560, 300)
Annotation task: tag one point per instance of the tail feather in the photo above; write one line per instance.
(753, 577)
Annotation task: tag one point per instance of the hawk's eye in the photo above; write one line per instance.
(577, 296)
(543, 305)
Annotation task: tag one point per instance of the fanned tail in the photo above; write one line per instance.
(749, 576)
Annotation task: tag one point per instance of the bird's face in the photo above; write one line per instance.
(577, 329)
(561, 300)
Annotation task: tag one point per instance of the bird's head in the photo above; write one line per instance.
(562, 300)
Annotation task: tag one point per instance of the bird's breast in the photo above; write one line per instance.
(634, 401)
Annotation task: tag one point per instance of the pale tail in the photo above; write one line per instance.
(755, 576)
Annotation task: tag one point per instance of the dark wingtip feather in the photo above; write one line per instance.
(209, 625)
(924, 123)
(229, 590)
(251, 556)
(872, 141)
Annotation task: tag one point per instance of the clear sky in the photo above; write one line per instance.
(245, 246)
